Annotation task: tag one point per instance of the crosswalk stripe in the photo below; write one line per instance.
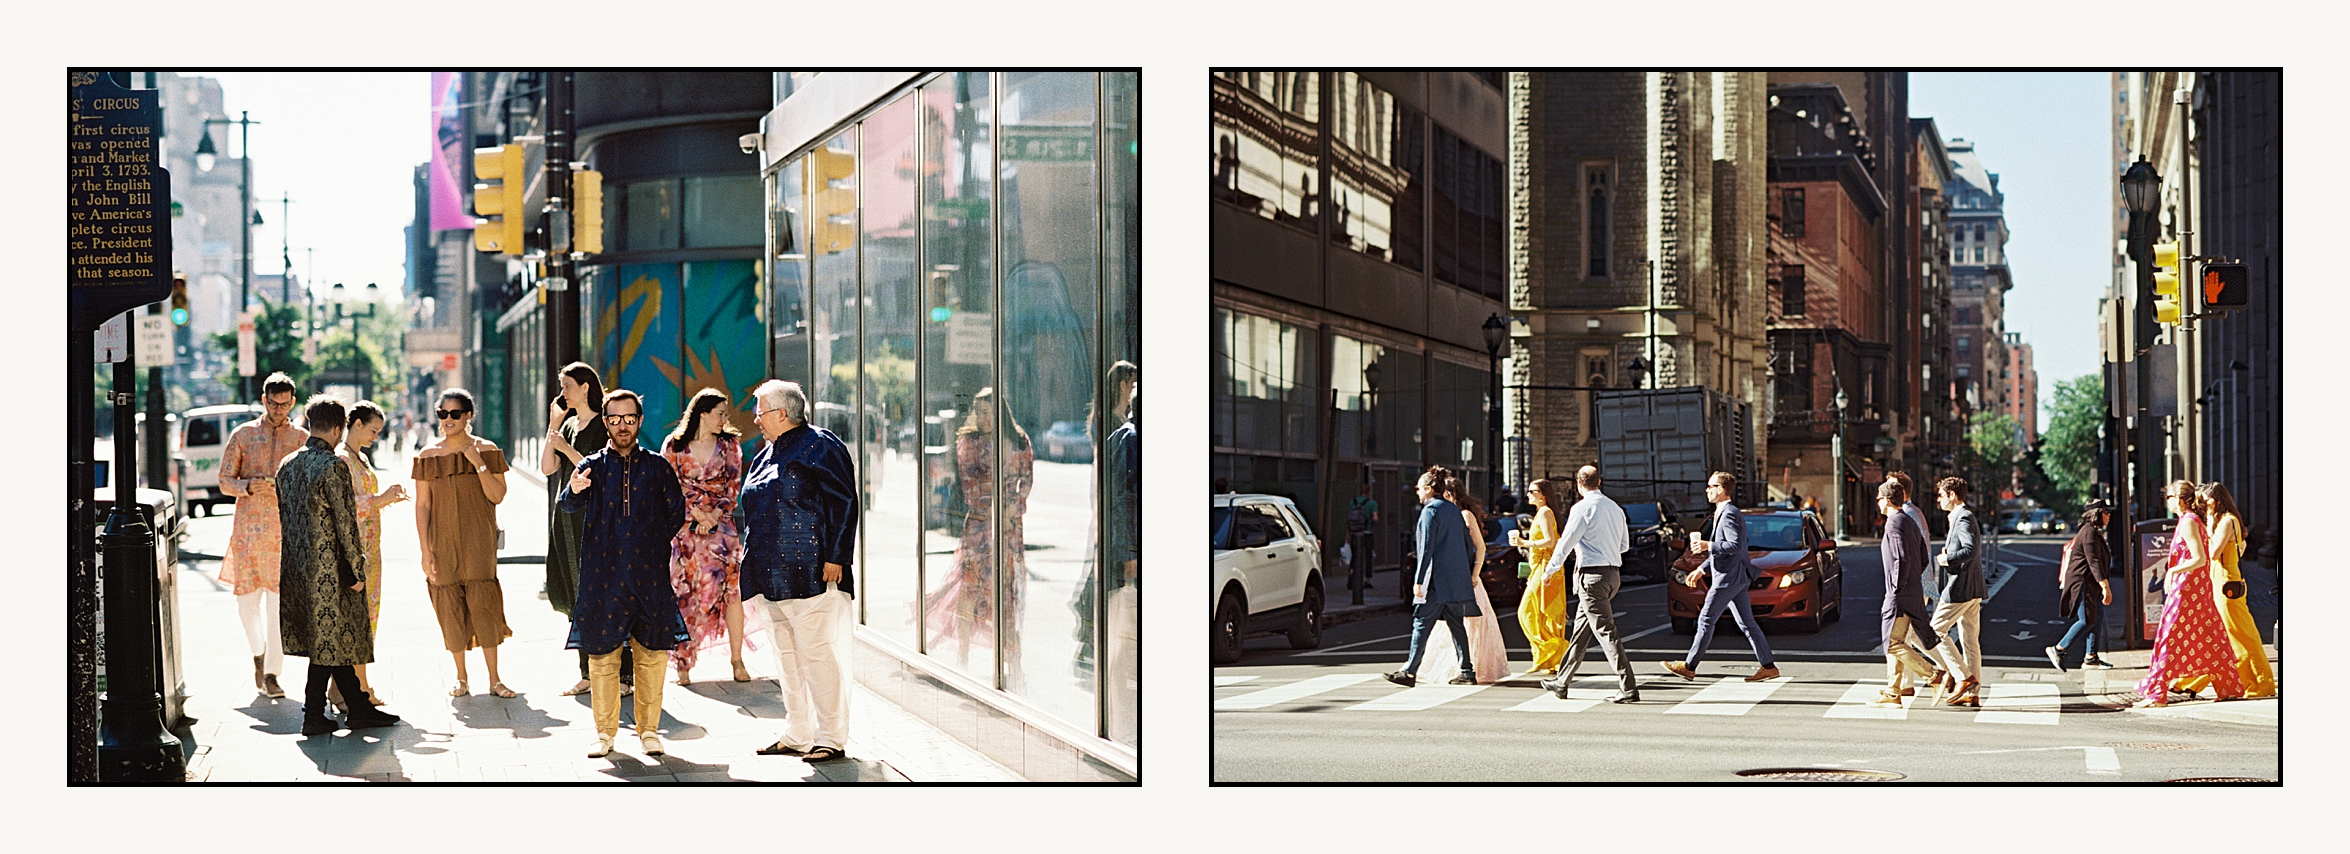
(2001, 702)
(1727, 697)
(1416, 699)
(1855, 704)
(1222, 681)
(1545, 701)
(1291, 691)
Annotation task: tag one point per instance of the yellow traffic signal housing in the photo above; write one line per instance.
(2166, 254)
(497, 198)
(832, 192)
(2166, 311)
(587, 211)
(179, 299)
(2166, 279)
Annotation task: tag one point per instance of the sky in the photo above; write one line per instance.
(2048, 138)
(343, 147)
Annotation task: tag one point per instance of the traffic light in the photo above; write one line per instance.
(2226, 287)
(179, 299)
(833, 199)
(497, 198)
(587, 211)
(2166, 282)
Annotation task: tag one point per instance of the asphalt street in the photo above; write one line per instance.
(1325, 715)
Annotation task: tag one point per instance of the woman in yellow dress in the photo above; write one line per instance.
(2229, 593)
(1543, 610)
(367, 423)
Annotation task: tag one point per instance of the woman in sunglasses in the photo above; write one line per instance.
(459, 482)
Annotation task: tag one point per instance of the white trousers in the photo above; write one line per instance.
(1124, 668)
(1961, 622)
(257, 612)
(810, 669)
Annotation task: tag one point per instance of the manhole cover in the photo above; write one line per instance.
(2150, 745)
(1821, 775)
(2220, 780)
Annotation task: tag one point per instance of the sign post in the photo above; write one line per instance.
(118, 257)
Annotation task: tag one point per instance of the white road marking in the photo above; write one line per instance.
(1418, 698)
(2101, 760)
(1291, 691)
(1727, 697)
(1549, 702)
(2019, 703)
(1855, 704)
(1222, 681)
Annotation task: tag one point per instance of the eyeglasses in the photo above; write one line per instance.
(631, 418)
(452, 414)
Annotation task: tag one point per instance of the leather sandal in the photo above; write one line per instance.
(740, 673)
(821, 753)
(461, 689)
(780, 749)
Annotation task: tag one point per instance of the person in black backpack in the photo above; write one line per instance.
(1362, 517)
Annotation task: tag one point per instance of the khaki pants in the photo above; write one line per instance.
(604, 688)
(1961, 626)
(1898, 654)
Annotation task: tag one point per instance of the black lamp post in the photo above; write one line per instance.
(1368, 544)
(2141, 195)
(206, 155)
(1497, 335)
(1841, 402)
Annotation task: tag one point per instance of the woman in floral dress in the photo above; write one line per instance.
(965, 610)
(706, 554)
(2190, 641)
(367, 423)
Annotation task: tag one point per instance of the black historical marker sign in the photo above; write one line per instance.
(118, 199)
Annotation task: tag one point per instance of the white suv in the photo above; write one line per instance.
(1268, 574)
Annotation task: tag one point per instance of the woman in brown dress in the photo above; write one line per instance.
(459, 482)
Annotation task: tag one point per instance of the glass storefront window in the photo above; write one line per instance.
(785, 306)
(1117, 582)
(648, 215)
(1260, 146)
(886, 434)
(1376, 148)
(958, 362)
(721, 210)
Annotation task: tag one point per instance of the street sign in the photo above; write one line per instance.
(154, 341)
(113, 340)
(118, 201)
(448, 361)
(1049, 143)
(246, 358)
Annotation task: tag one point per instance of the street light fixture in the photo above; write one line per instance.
(2141, 187)
(1841, 403)
(1497, 335)
(207, 155)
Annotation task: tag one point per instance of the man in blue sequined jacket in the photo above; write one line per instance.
(799, 535)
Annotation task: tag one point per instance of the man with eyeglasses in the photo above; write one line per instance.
(799, 539)
(630, 507)
(248, 473)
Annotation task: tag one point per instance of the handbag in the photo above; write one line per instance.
(1525, 569)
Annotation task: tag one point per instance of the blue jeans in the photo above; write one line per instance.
(2085, 620)
(1732, 598)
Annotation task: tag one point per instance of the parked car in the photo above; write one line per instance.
(204, 431)
(1066, 442)
(1798, 577)
(2040, 521)
(1268, 574)
(1656, 539)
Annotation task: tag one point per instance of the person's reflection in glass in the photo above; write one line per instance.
(1122, 460)
(965, 611)
(1120, 380)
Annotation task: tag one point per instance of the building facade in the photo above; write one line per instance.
(1941, 411)
(2023, 390)
(1356, 227)
(1637, 245)
(1979, 281)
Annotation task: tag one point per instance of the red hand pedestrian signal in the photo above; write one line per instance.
(2226, 287)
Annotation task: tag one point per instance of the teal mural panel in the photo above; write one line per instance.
(724, 337)
(637, 336)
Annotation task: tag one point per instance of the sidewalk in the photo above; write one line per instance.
(711, 729)
(2119, 688)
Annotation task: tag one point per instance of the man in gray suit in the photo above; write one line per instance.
(1732, 572)
(1597, 534)
(1441, 589)
(1962, 598)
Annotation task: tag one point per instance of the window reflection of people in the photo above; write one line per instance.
(1122, 456)
(965, 610)
(1120, 380)
(459, 482)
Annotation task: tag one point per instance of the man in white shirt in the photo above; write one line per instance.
(1596, 534)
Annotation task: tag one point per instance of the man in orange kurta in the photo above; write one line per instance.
(248, 472)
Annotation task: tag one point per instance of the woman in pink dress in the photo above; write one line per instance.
(1487, 651)
(366, 424)
(2190, 641)
(963, 612)
(706, 556)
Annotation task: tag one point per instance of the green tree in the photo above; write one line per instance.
(2068, 456)
(277, 345)
(1990, 456)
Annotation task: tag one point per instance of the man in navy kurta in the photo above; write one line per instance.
(630, 503)
(799, 540)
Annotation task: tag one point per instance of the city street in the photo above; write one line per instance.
(1324, 715)
(710, 728)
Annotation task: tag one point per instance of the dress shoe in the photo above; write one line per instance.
(372, 720)
(1682, 670)
(1887, 699)
(319, 726)
(1620, 697)
(2055, 657)
(1555, 686)
(1463, 679)
(1401, 678)
(270, 687)
(602, 749)
(651, 743)
(1765, 673)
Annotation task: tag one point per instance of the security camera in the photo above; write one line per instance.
(749, 143)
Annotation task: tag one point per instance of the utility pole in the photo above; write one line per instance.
(562, 269)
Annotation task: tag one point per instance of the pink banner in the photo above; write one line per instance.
(448, 152)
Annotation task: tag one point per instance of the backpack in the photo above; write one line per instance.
(1357, 519)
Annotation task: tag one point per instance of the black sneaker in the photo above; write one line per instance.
(1400, 678)
(2095, 663)
(319, 726)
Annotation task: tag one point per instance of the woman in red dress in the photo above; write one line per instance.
(705, 557)
(2191, 641)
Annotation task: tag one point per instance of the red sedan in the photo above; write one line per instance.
(1798, 577)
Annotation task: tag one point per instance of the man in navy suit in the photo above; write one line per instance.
(1442, 589)
(1732, 572)
(1904, 553)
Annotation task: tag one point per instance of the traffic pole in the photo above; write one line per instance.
(133, 746)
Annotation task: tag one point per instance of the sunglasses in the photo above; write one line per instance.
(622, 419)
(452, 414)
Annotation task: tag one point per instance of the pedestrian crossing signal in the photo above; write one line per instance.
(2226, 287)
(179, 299)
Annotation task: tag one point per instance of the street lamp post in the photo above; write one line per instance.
(1838, 452)
(2141, 194)
(206, 155)
(1366, 547)
(1497, 335)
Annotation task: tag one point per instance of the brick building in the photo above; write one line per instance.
(1979, 280)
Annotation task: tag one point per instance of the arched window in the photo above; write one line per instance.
(1595, 219)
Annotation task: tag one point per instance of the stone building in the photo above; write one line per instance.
(1979, 280)
(1941, 413)
(1635, 247)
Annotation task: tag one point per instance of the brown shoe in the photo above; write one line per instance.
(269, 687)
(1765, 673)
(1679, 669)
(258, 685)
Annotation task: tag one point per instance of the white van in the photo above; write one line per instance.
(204, 432)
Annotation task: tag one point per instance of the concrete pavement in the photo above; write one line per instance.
(711, 728)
